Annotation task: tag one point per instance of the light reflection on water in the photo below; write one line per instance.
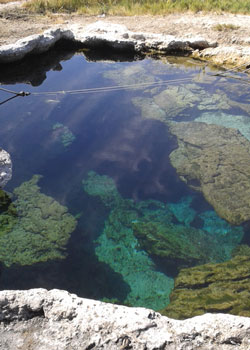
(123, 135)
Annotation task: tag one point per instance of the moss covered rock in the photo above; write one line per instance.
(223, 287)
(39, 230)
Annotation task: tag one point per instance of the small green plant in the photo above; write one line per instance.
(225, 27)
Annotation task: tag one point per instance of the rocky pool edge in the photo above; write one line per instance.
(117, 37)
(41, 319)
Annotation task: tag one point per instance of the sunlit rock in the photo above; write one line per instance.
(215, 160)
(41, 228)
(5, 168)
(216, 288)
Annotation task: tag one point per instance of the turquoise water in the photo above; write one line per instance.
(109, 217)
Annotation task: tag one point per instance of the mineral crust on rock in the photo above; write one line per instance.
(5, 168)
(98, 35)
(215, 160)
(38, 319)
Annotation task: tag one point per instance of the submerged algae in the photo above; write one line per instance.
(42, 227)
(8, 213)
(118, 247)
(134, 231)
(223, 287)
(184, 245)
(102, 186)
(64, 134)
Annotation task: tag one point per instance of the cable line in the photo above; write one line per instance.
(130, 86)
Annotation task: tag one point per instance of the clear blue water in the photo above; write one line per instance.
(63, 137)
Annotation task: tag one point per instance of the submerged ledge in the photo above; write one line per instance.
(41, 319)
(117, 37)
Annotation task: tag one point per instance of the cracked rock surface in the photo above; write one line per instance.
(41, 319)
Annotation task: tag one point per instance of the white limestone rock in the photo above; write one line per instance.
(100, 34)
(38, 319)
(33, 44)
(5, 168)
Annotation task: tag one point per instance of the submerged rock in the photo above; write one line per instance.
(176, 100)
(118, 247)
(215, 160)
(223, 287)
(40, 227)
(182, 245)
(102, 186)
(239, 122)
(183, 211)
(5, 168)
(38, 319)
(134, 231)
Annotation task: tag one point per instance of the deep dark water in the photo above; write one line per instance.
(62, 137)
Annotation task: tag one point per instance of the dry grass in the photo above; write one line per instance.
(6, 1)
(225, 27)
(138, 7)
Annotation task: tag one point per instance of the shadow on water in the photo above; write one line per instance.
(33, 68)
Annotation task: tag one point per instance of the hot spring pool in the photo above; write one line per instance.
(116, 192)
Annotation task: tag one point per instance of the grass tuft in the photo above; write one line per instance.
(138, 7)
(225, 27)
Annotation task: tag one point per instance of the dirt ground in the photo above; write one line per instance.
(16, 23)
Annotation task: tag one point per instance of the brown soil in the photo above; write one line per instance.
(16, 23)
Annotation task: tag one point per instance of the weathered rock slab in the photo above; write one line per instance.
(5, 168)
(53, 320)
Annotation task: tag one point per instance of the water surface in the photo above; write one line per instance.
(106, 157)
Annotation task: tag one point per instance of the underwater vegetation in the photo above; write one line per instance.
(102, 186)
(34, 228)
(223, 287)
(136, 232)
(64, 134)
(215, 160)
(118, 247)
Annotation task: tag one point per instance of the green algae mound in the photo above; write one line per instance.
(216, 161)
(223, 287)
(41, 228)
